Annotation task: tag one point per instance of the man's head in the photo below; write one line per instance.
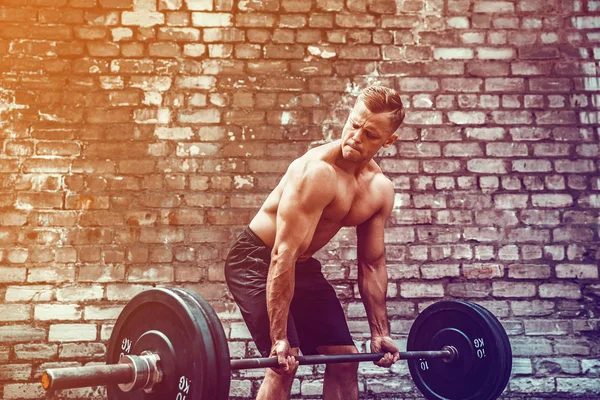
(372, 123)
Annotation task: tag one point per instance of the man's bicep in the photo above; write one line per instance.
(370, 239)
(371, 234)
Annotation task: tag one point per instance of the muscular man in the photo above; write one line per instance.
(284, 298)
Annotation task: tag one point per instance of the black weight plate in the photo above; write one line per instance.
(161, 310)
(503, 359)
(209, 351)
(221, 348)
(506, 358)
(436, 379)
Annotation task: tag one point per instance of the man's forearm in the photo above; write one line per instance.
(372, 285)
(280, 291)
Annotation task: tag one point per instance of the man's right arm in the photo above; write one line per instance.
(310, 187)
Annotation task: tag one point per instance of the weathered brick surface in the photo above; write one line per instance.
(140, 136)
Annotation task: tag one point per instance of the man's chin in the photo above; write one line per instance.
(352, 156)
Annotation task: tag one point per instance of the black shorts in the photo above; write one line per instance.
(316, 316)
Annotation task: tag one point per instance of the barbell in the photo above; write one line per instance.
(168, 343)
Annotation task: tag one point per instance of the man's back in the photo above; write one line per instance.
(355, 197)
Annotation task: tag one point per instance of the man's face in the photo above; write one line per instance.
(365, 133)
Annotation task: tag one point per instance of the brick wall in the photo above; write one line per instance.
(139, 136)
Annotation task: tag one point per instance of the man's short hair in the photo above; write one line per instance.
(380, 99)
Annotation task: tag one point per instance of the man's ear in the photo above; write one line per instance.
(390, 140)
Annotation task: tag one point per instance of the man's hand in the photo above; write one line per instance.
(287, 362)
(385, 344)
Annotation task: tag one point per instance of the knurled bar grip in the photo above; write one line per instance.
(96, 375)
(251, 363)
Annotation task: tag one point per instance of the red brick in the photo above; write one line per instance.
(40, 200)
(255, 20)
(293, 21)
(556, 117)
(482, 271)
(462, 84)
(529, 271)
(534, 165)
(225, 35)
(296, 6)
(356, 20)
(151, 273)
(538, 52)
(284, 51)
(418, 84)
(446, 38)
(463, 150)
(421, 290)
(101, 218)
(90, 32)
(513, 289)
(577, 166)
(82, 350)
(569, 234)
(560, 290)
(529, 235)
(226, 217)
(540, 217)
(360, 53)
(512, 117)
(20, 14)
(577, 271)
(116, 3)
(161, 235)
(183, 217)
(166, 50)
(58, 149)
(505, 85)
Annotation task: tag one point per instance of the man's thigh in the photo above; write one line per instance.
(246, 272)
(319, 317)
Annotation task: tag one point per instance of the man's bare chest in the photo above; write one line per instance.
(351, 208)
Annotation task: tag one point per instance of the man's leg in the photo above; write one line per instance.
(276, 386)
(321, 325)
(246, 273)
(341, 380)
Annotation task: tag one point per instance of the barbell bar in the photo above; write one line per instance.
(169, 343)
(141, 371)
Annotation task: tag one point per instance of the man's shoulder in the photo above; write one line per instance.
(312, 177)
(314, 163)
(379, 180)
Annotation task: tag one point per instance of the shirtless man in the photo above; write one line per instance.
(284, 298)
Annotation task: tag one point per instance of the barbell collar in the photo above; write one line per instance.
(447, 354)
(146, 372)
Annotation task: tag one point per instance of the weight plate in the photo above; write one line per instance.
(219, 340)
(163, 311)
(506, 356)
(474, 375)
(208, 352)
(502, 359)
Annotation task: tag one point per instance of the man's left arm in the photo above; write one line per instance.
(372, 276)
